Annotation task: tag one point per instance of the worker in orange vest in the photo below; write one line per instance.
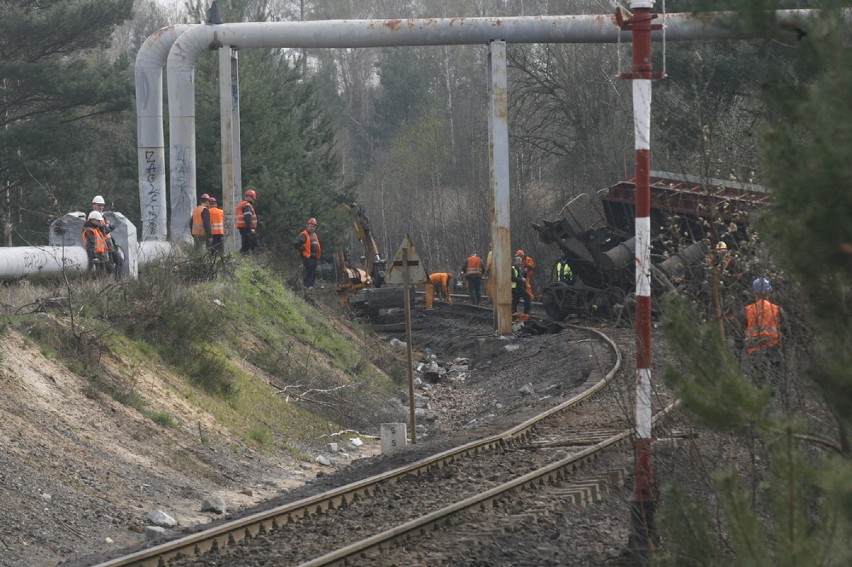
(763, 323)
(310, 249)
(114, 251)
(246, 221)
(519, 290)
(529, 267)
(217, 229)
(441, 284)
(199, 222)
(95, 243)
(472, 271)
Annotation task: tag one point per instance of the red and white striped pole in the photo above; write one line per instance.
(642, 536)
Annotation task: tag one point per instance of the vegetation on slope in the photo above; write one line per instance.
(273, 367)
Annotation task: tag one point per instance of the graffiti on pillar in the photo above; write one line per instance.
(182, 200)
(150, 208)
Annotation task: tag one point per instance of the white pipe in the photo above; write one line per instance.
(26, 261)
(149, 127)
(387, 33)
(153, 250)
(51, 261)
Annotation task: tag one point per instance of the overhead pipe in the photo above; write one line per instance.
(388, 33)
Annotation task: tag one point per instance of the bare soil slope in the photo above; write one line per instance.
(79, 471)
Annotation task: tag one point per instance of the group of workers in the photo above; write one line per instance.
(207, 226)
(103, 253)
(474, 271)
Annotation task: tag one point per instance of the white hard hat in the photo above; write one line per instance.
(98, 200)
(95, 215)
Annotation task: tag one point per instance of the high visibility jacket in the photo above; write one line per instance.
(198, 227)
(564, 273)
(441, 278)
(529, 264)
(763, 320)
(94, 241)
(473, 266)
(217, 221)
(305, 250)
(516, 275)
(241, 215)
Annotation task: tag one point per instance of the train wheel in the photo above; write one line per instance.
(615, 298)
(554, 299)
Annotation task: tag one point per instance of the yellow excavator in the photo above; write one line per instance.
(360, 288)
(371, 273)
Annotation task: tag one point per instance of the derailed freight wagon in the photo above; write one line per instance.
(596, 235)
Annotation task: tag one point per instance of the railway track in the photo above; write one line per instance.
(356, 523)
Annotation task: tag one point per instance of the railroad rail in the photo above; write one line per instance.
(515, 446)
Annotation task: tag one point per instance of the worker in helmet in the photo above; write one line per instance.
(114, 254)
(763, 324)
(472, 271)
(217, 229)
(308, 246)
(717, 278)
(441, 283)
(199, 223)
(95, 243)
(530, 268)
(246, 221)
(519, 289)
(562, 272)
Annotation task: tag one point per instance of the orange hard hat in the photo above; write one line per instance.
(204, 197)
(312, 221)
(251, 193)
(519, 253)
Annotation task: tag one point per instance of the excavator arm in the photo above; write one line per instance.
(374, 264)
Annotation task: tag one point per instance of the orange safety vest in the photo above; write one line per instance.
(763, 319)
(241, 220)
(474, 266)
(94, 238)
(217, 221)
(306, 247)
(529, 264)
(197, 221)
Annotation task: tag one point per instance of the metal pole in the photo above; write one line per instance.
(232, 198)
(642, 537)
(407, 306)
(498, 161)
(226, 115)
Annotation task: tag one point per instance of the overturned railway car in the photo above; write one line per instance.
(595, 233)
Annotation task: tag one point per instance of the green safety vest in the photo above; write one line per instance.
(563, 272)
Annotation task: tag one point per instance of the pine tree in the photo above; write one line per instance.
(800, 511)
(52, 88)
(287, 142)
